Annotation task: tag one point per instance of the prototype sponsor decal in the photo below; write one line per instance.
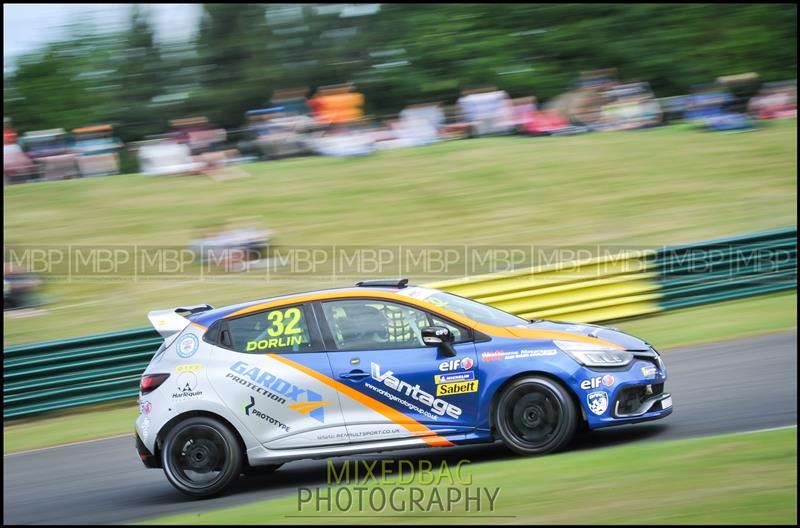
(277, 389)
(145, 407)
(502, 355)
(194, 367)
(250, 410)
(649, 372)
(188, 345)
(593, 383)
(187, 385)
(598, 402)
(455, 364)
(454, 389)
(454, 377)
(437, 407)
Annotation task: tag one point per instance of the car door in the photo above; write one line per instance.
(267, 368)
(375, 348)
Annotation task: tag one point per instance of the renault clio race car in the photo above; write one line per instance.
(376, 367)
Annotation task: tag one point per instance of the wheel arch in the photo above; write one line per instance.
(175, 420)
(550, 376)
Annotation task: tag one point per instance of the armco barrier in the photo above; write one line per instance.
(71, 372)
(728, 268)
(598, 289)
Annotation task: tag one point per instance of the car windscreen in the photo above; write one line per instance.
(476, 311)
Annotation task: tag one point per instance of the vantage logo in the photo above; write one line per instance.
(436, 405)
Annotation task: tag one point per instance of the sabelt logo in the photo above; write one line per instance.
(453, 389)
(437, 406)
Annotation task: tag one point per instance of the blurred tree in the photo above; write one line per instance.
(237, 71)
(397, 54)
(141, 77)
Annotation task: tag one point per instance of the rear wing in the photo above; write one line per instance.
(172, 321)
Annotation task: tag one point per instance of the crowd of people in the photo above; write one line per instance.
(331, 122)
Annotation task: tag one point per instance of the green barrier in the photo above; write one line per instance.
(725, 269)
(66, 373)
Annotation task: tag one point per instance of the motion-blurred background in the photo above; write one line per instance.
(253, 101)
(163, 155)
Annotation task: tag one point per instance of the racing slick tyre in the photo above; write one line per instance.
(260, 470)
(201, 457)
(535, 415)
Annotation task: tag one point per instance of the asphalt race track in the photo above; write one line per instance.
(723, 387)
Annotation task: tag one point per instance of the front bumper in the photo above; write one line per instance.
(635, 394)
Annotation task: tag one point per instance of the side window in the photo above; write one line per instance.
(460, 334)
(280, 330)
(374, 324)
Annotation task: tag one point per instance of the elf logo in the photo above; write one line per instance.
(455, 364)
(593, 383)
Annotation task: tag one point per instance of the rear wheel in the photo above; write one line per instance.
(201, 457)
(535, 415)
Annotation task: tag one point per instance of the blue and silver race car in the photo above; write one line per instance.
(376, 367)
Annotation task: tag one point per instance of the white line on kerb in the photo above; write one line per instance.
(68, 445)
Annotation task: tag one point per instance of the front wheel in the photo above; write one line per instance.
(201, 457)
(535, 415)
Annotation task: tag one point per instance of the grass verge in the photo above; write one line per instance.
(732, 479)
(652, 187)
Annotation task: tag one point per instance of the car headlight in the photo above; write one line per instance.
(591, 355)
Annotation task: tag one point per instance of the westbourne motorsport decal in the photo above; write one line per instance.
(501, 355)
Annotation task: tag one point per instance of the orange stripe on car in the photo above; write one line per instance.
(426, 434)
(497, 331)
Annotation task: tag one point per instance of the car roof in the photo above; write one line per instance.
(209, 316)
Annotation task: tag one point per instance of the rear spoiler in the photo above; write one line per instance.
(170, 322)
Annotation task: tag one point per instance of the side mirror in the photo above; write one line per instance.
(439, 336)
